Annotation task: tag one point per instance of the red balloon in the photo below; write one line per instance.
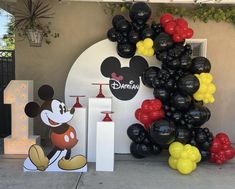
(189, 33)
(182, 22)
(177, 38)
(144, 118)
(222, 136)
(146, 106)
(170, 27)
(166, 18)
(221, 149)
(138, 112)
(156, 104)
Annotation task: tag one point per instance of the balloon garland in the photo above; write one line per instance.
(181, 87)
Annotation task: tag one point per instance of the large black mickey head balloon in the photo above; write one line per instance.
(140, 12)
(188, 84)
(200, 65)
(124, 82)
(136, 132)
(163, 42)
(162, 132)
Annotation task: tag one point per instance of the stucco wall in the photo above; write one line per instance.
(82, 24)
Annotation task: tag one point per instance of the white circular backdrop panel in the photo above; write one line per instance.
(86, 70)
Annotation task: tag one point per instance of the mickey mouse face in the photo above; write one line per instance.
(52, 112)
(124, 82)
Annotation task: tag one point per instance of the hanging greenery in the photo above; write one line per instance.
(203, 12)
(196, 12)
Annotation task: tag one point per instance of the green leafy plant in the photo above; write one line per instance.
(29, 19)
(201, 12)
(115, 8)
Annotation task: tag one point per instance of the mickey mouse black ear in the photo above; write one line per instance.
(46, 92)
(138, 65)
(32, 109)
(110, 65)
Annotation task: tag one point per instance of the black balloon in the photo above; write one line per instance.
(162, 132)
(163, 42)
(149, 75)
(157, 28)
(185, 62)
(156, 149)
(181, 102)
(139, 150)
(116, 19)
(148, 33)
(123, 26)
(197, 115)
(134, 37)
(206, 155)
(161, 94)
(174, 64)
(200, 64)
(188, 84)
(140, 12)
(183, 135)
(112, 35)
(136, 132)
(126, 50)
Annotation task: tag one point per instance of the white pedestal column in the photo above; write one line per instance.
(105, 146)
(96, 106)
(79, 123)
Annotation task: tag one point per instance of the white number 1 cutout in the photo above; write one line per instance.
(18, 93)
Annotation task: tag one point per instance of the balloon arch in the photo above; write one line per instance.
(182, 86)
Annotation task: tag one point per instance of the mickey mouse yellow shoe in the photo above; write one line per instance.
(38, 158)
(76, 162)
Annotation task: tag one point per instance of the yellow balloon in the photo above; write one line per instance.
(184, 154)
(172, 162)
(194, 166)
(175, 149)
(148, 43)
(203, 88)
(211, 88)
(138, 44)
(185, 166)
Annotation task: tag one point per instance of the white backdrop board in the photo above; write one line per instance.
(86, 70)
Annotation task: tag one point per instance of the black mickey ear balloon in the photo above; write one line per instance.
(188, 84)
(140, 12)
(200, 65)
(136, 132)
(126, 50)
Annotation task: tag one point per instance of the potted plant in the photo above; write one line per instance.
(28, 22)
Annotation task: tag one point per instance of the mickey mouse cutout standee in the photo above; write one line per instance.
(54, 114)
(124, 82)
